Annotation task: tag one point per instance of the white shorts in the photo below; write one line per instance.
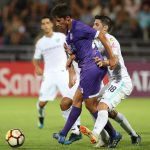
(72, 90)
(112, 93)
(52, 83)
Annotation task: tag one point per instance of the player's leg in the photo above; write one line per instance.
(73, 116)
(124, 123)
(66, 105)
(111, 98)
(91, 88)
(48, 92)
(91, 105)
(41, 113)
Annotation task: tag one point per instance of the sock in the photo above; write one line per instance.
(40, 110)
(95, 115)
(101, 121)
(73, 116)
(108, 127)
(105, 136)
(121, 119)
(74, 128)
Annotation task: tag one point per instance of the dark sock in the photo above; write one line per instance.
(95, 115)
(73, 116)
(108, 127)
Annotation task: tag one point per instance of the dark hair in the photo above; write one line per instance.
(105, 21)
(61, 11)
(46, 17)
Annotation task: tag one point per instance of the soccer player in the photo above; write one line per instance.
(79, 38)
(55, 76)
(118, 88)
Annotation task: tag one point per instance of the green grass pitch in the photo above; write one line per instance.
(18, 112)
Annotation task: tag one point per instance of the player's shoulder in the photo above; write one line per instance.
(59, 34)
(112, 39)
(40, 40)
(80, 26)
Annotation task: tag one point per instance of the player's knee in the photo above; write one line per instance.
(42, 104)
(65, 104)
(91, 105)
(102, 106)
(113, 114)
(91, 108)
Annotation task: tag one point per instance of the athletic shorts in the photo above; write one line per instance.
(115, 91)
(52, 83)
(90, 81)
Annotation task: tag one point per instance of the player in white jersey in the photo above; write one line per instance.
(118, 88)
(55, 75)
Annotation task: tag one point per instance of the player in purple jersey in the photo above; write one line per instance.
(79, 39)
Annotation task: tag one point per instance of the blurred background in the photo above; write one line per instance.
(20, 27)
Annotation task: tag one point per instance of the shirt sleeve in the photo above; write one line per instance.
(38, 52)
(114, 45)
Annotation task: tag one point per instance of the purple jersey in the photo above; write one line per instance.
(80, 38)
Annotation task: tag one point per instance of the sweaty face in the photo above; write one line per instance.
(46, 25)
(98, 25)
(61, 23)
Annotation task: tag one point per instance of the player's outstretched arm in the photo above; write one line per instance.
(105, 42)
(38, 69)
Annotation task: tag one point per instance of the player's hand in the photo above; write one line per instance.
(67, 49)
(98, 61)
(101, 63)
(39, 71)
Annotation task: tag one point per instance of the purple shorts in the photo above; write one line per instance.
(90, 81)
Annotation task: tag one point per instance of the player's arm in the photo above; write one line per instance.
(71, 70)
(37, 59)
(112, 59)
(69, 66)
(72, 76)
(104, 63)
(38, 69)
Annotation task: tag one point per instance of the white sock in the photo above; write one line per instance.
(121, 119)
(41, 112)
(74, 128)
(101, 121)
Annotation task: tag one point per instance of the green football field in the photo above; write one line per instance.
(18, 112)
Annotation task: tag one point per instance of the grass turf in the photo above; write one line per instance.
(20, 112)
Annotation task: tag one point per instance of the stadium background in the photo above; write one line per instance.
(19, 30)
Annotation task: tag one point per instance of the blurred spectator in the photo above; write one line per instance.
(132, 7)
(20, 19)
(122, 25)
(144, 19)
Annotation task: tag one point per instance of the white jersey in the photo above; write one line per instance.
(120, 71)
(52, 51)
(55, 75)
